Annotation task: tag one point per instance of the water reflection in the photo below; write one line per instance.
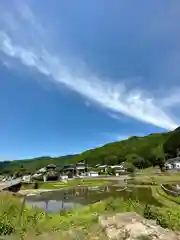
(51, 205)
(56, 201)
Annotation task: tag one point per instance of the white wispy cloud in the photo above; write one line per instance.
(114, 115)
(113, 97)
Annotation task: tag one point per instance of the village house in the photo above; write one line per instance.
(72, 170)
(118, 169)
(47, 173)
(102, 168)
(173, 163)
(93, 174)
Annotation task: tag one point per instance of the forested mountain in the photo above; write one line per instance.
(141, 151)
(31, 165)
(173, 143)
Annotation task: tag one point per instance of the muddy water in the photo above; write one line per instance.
(56, 201)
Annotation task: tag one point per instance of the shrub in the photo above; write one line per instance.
(149, 212)
(6, 227)
(130, 168)
(112, 204)
(162, 221)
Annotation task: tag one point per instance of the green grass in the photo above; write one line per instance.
(160, 195)
(146, 177)
(68, 184)
(80, 221)
(173, 200)
(148, 170)
(34, 221)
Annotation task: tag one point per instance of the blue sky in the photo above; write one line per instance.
(78, 74)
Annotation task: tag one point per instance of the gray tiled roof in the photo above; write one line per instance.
(172, 160)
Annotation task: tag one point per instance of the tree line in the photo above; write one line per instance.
(142, 152)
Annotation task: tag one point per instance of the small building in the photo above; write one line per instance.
(26, 178)
(81, 168)
(41, 170)
(64, 177)
(119, 166)
(72, 170)
(173, 163)
(51, 167)
(47, 173)
(168, 165)
(119, 171)
(69, 170)
(176, 164)
(103, 168)
(93, 174)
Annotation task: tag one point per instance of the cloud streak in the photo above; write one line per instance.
(113, 97)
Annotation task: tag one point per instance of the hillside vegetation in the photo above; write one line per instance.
(140, 151)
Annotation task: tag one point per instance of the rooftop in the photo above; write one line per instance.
(173, 160)
(51, 166)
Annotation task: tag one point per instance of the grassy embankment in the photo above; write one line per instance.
(82, 223)
(169, 214)
(148, 177)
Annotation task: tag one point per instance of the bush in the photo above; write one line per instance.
(149, 212)
(112, 204)
(111, 171)
(6, 227)
(162, 221)
(130, 167)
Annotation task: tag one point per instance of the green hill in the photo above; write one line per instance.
(31, 165)
(141, 151)
(172, 143)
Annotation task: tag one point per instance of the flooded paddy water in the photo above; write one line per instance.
(55, 201)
